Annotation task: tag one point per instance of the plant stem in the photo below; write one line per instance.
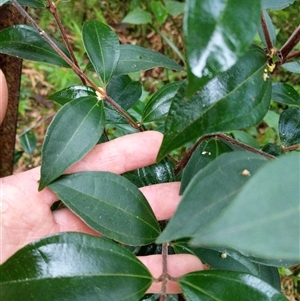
(291, 147)
(223, 137)
(75, 68)
(292, 55)
(290, 44)
(266, 32)
(164, 275)
(53, 10)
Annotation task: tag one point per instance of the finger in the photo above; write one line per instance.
(120, 155)
(178, 265)
(163, 199)
(3, 96)
(67, 221)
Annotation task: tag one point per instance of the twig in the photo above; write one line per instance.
(266, 32)
(291, 147)
(77, 70)
(290, 44)
(292, 55)
(53, 10)
(164, 275)
(223, 137)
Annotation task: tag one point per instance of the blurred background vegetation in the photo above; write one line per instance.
(163, 33)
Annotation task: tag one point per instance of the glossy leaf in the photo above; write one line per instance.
(289, 126)
(231, 260)
(161, 172)
(134, 58)
(284, 93)
(112, 116)
(206, 152)
(276, 4)
(238, 98)
(32, 3)
(28, 142)
(137, 16)
(227, 286)
(124, 91)
(270, 28)
(158, 105)
(74, 131)
(273, 149)
(103, 48)
(110, 204)
(160, 11)
(73, 267)
(292, 67)
(66, 95)
(221, 42)
(262, 214)
(25, 42)
(74, 92)
(210, 192)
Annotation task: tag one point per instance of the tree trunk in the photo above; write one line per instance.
(12, 68)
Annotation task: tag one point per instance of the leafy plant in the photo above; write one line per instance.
(239, 211)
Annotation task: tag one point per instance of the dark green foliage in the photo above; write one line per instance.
(239, 210)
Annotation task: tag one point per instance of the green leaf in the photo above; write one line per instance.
(273, 149)
(73, 132)
(270, 28)
(74, 92)
(289, 126)
(28, 142)
(221, 42)
(231, 260)
(227, 286)
(134, 58)
(271, 119)
(284, 93)
(175, 8)
(246, 138)
(206, 152)
(160, 11)
(124, 91)
(103, 48)
(137, 16)
(31, 3)
(263, 219)
(238, 98)
(112, 116)
(110, 204)
(73, 267)
(25, 42)
(274, 262)
(210, 192)
(158, 105)
(161, 172)
(276, 4)
(292, 67)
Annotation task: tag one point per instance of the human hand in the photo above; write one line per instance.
(26, 214)
(3, 96)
